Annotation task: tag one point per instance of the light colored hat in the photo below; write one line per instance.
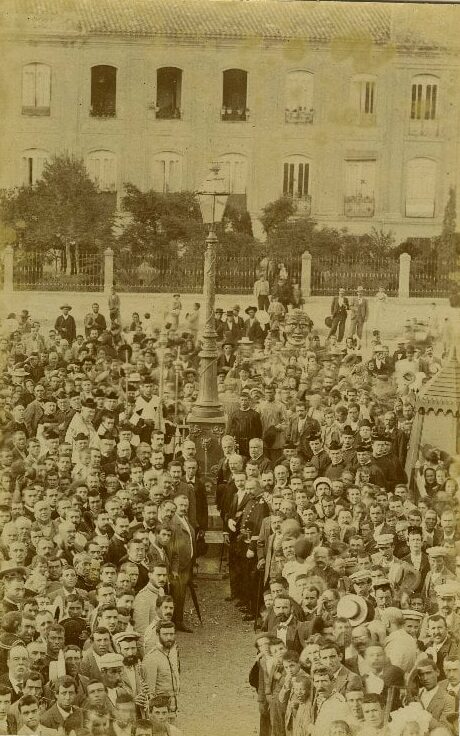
(450, 589)
(9, 568)
(411, 615)
(321, 479)
(125, 636)
(437, 552)
(360, 576)
(352, 607)
(111, 661)
(384, 539)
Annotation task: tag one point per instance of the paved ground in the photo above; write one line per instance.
(216, 698)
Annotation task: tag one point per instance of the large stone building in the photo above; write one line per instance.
(352, 109)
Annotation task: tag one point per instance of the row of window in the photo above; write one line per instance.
(36, 94)
(359, 179)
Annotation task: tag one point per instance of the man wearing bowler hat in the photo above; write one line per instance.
(65, 324)
(359, 312)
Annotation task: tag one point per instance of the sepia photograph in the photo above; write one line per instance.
(229, 368)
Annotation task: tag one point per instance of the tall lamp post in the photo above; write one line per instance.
(207, 420)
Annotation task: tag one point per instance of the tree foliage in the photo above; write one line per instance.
(169, 223)
(64, 205)
(291, 234)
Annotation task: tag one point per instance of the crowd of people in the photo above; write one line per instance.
(344, 560)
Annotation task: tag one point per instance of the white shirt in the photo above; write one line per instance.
(281, 630)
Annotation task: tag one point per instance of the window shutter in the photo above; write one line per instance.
(28, 85)
(159, 175)
(421, 188)
(43, 85)
(175, 175)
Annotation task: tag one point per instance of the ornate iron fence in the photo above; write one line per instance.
(432, 275)
(164, 273)
(330, 272)
(50, 271)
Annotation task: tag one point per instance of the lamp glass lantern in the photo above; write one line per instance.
(213, 197)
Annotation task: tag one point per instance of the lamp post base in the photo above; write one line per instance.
(206, 429)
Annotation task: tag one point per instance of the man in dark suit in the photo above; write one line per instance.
(359, 313)
(244, 424)
(183, 553)
(66, 694)
(227, 358)
(17, 662)
(232, 527)
(198, 490)
(382, 677)
(232, 331)
(339, 309)
(117, 545)
(299, 429)
(442, 643)
(285, 625)
(416, 557)
(65, 324)
(252, 327)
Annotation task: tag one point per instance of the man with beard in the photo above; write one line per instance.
(117, 546)
(285, 624)
(133, 675)
(112, 668)
(162, 665)
(245, 424)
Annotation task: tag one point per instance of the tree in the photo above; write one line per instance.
(277, 213)
(62, 212)
(158, 222)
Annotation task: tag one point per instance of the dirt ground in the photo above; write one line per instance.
(216, 698)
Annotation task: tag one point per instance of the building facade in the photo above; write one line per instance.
(354, 111)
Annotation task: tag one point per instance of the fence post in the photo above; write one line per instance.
(305, 275)
(8, 264)
(404, 276)
(108, 270)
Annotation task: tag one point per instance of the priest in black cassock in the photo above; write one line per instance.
(244, 424)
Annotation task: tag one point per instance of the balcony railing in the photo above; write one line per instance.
(428, 128)
(359, 206)
(36, 112)
(103, 112)
(299, 115)
(239, 115)
(302, 204)
(166, 113)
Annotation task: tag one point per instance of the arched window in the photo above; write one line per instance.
(103, 91)
(296, 177)
(299, 97)
(102, 168)
(421, 175)
(234, 95)
(363, 97)
(169, 93)
(424, 97)
(167, 172)
(234, 168)
(33, 162)
(36, 89)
